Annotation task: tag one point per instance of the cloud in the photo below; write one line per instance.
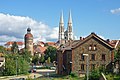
(115, 11)
(13, 28)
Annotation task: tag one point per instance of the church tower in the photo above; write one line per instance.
(61, 30)
(29, 41)
(69, 28)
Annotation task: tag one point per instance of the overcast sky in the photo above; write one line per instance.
(42, 16)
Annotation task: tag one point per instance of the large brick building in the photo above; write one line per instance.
(100, 53)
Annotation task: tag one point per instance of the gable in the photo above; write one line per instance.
(96, 38)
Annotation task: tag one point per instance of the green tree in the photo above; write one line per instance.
(50, 52)
(94, 75)
(26, 55)
(2, 49)
(35, 59)
(117, 54)
(42, 59)
(48, 60)
(15, 63)
(14, 47)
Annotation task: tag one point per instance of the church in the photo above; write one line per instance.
(65, 36)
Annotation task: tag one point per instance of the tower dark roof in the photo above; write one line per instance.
(28, 33)
(28, 30)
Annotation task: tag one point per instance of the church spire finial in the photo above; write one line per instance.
(70, 17)
(61, 17)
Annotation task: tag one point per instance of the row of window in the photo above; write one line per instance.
(92, 47)
(92, 57)
(92, 66)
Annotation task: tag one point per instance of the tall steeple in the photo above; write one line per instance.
(70, 18)
(61, 28)
(69, 28)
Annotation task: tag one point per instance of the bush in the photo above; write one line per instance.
(95, 75)
(73, 75)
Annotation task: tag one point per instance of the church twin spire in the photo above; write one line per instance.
(64, 36)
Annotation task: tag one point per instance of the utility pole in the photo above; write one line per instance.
(87, 62)
(16, 66)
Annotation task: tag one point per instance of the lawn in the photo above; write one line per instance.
(112, 77)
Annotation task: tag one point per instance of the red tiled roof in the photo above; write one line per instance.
(11, 42)
(114, 43)
(51, 43)
(40, 49)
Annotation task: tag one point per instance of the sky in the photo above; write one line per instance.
(43, 16)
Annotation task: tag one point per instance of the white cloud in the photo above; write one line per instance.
(13, 28)
(115, 11)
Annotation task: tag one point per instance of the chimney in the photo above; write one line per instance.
(108, 40)
(81, 38)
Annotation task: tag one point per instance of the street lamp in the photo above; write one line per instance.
(87, 72)
(16, 66)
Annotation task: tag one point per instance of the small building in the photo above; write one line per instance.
(9, 44)
(39, 50)
(70, 56)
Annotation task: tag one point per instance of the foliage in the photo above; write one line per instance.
(2, 49)
(14, 47)
(48, 60)
(73, 75)
(51, 52)
(35, 59)
(15, 64)
(42, 59)
(112, 77)
(102, 69)
(94, 75)
(26, 55)
(117, 54)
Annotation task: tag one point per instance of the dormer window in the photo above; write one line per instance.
(90, 47)
(95, 48)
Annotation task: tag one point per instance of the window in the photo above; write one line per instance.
(82, 57)
(92, 56)
(90, 47)
(82, 67)
(95, 48)
(103, 57)
(92, 66)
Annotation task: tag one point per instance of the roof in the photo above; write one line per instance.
(50, 43)
(40, 49)
(11, 42)
(115, 43)
(96, 37)
(75, 43)
(69, 45)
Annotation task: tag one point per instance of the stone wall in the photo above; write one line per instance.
(84, 49)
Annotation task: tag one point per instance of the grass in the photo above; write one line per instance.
(112, 77)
